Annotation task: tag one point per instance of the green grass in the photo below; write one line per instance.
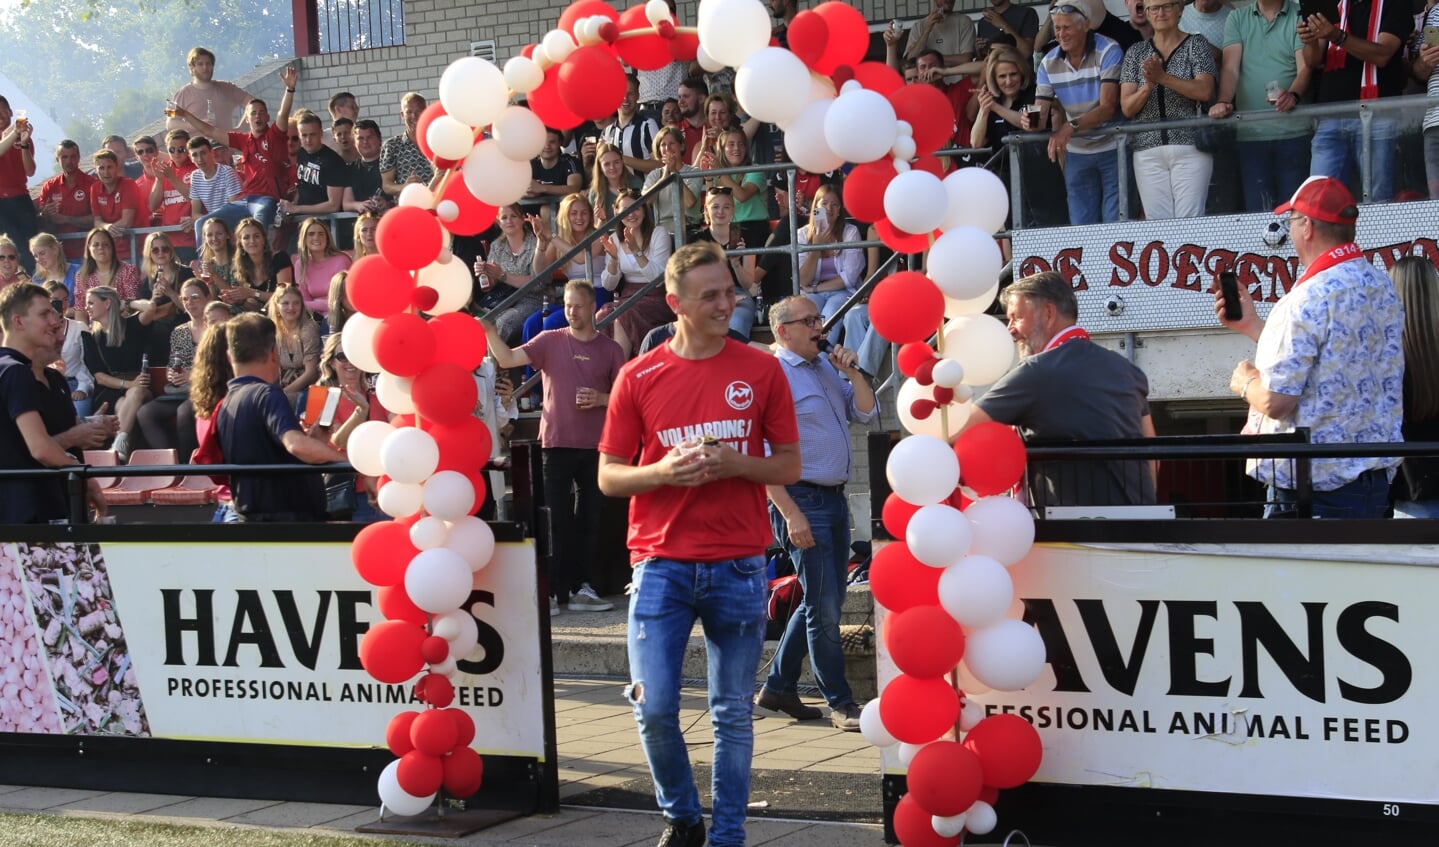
(71, 831)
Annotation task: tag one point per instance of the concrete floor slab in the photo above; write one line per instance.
(121, 803)
(34, 799)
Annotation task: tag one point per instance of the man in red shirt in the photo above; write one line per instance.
(693, 92)
(65, 199)
(698, 412)
(148, 154)
(170, 196)
(264, 154)
(115, 202)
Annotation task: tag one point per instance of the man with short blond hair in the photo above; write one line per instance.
(116, 203)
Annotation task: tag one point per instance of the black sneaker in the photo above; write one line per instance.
(678, 834)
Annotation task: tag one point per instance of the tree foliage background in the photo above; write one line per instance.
(100, 67)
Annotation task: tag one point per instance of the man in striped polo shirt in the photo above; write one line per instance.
(1082, 73)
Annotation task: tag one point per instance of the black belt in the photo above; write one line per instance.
(833, 489)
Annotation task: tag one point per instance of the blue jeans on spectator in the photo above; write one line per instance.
(82, 407)
(729, 598)
(859, 336)
(1365, 498)
(1338, 146)
(741, 320)
(254, 206)
(823, 570)
(1272, 171)
(828, 303)
(1092, 183)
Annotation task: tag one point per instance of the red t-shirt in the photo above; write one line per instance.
(660, 401)
(568, 365)
(74, 202)
(263, 161)
(13, 181)
(174, 206)
(959, 94)
(693, 136)
(109, 205)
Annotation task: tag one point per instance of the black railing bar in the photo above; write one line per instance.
(101, 471)
(1234, 451)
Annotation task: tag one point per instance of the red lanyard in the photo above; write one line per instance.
(1073, 333)
(1338, 255)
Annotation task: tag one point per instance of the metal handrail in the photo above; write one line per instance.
(133, 233)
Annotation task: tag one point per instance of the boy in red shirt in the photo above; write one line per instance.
(116, 203)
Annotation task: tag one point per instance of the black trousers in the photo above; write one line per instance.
(572, 493)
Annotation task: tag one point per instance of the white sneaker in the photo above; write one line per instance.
(122, 446)
(554, 606)
(586, 600)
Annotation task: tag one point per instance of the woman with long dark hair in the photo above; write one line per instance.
(634, 256)
(1416, 488)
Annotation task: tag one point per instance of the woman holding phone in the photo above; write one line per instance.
(634, 256)
(829, 276)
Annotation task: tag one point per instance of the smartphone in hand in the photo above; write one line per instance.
(1229, 287)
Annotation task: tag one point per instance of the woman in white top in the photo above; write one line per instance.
(669, 150)
(829, 277)
(634, 257)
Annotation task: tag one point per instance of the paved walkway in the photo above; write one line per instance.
(598, 749)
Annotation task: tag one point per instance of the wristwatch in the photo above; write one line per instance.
(1074, 123)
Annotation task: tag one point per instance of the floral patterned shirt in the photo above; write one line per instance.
(1335, 343)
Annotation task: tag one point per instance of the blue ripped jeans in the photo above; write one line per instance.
(728, 598)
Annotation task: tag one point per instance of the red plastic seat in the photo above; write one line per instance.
(135, 490)
(103, 459)
(193, 490)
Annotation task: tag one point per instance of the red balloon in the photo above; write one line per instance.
(420, 773)
(477, 481)
(920, 410)
(906, 307)
(989, 794)
(943, 396)
(464, 445)
(409, 237)
(900, 241)
(464, 772)
(433, 732)
(545, 102)
(991, 458)
(945, 778)
(381, 552)
(896, 514)
(848, 37)
(684, 47)
(390, 650)
(808, 35)
(899, 581)
(435, 650)
(377, 288)
(404, 345)
(915, 710)
(931, 164)
(1008, 748)
(864, 189)
(928, 111)
(397, 733)
(396, 605)
(425, 298)
(924, 374)
(464, 727)
(912, 355)
(459, 338)
(913, 828)
(643, 52)
(877, 76)
(958, 500)
(581, 9)
(444, 392)
(475, 216)
(427, 117)
(434, 689)
(592, 83)
(924, 642)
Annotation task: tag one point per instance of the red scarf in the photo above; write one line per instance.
(1338, 255)
(1072, 333)
(1336, 56)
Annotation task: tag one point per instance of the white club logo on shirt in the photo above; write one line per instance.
(739, 395)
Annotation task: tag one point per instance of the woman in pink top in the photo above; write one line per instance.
(316, 263)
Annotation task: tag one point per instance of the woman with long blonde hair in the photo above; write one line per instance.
(209, 382)
(365, 226)
(50, 264)
(297, 337)
(315, 263)
(115, 354)
(1416, 488)
(829, 276)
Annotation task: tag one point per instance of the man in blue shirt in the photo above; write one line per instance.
(811, 517)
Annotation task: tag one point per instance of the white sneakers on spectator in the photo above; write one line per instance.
(122, 446)
(587, 600)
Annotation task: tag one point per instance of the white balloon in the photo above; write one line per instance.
(472, 538)
(587, 30)
(922, 470)
(519, 133)
(964, 262)
(438, 580)
(908, 751)
(872, 728)
(914, 201)
(447, 626)
(970, 714)
(967, 681)
(860, 126)
(447, 210)
(765, 85)
(400, 499)
(417, 195)
(449, 495)
(410, 455)
(473, 91)
(733, 30)
(707, 62)
(904, 128)
(979, 342)
(428, 533)
(451, 280)
(1007, 656)
(447, 667)
(939, 536)
(980, 818)
(947, 827)
(395, 798)
(957, 413)
(903, 148)
(558, 45)
(657, 11)
(393, 391)
(963, 394)
(357, 339)
(976, 591)
(449, 138)
(523, 75)
(954, 308)
(493, 177)
(363, 448)
(805, 143)
(1003, 528)
(977, 198)
(820, 88)
(466, 632)
(948, 373)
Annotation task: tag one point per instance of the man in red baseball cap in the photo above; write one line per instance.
(1329, 358)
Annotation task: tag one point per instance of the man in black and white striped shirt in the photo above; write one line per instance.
(632, 132)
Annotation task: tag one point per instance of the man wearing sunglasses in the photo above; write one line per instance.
(811, 517)
(171, 193)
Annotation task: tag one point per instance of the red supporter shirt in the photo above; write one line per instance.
(660, 400)
(174, 206)
(12, 173)
(693, 136)
(74, 202)
(108, 206)
(145, 183)
(263, 161)
(959, 94)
